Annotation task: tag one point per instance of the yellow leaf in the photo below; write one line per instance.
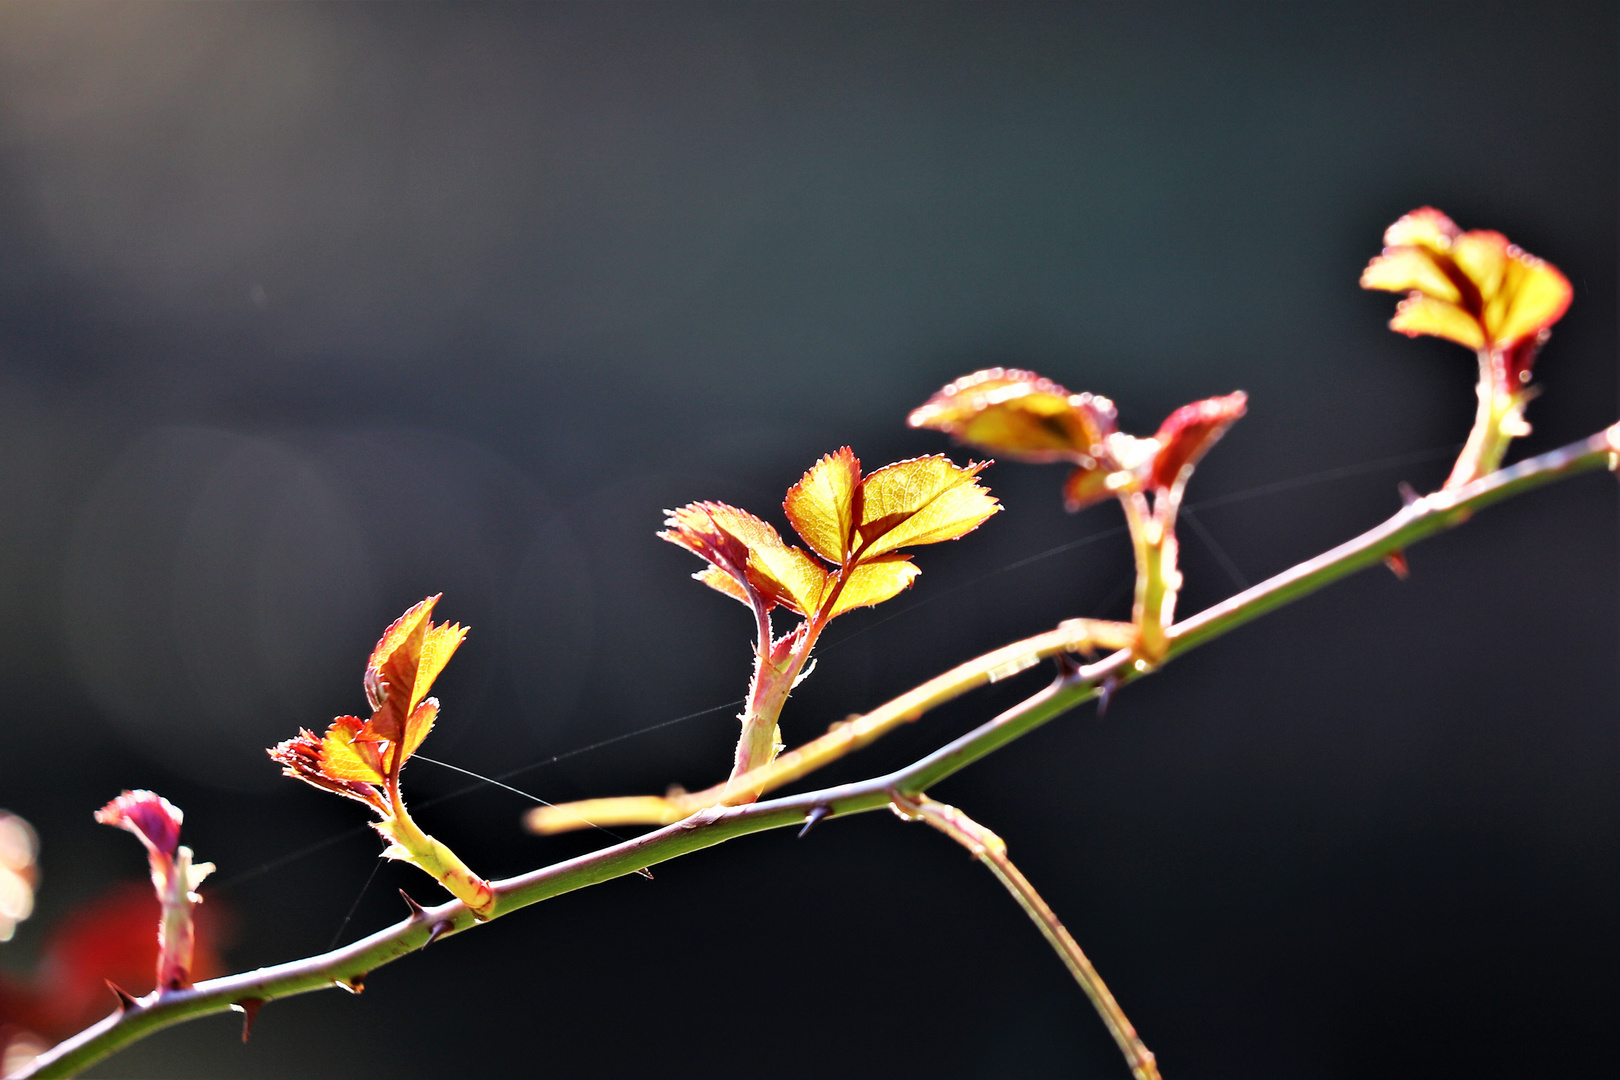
(720, 581)
(400, 631)
(1482, 257)
(418, 726)
(747, 528)
(729, 539)
(1474, 288)
(1426, 227)
(921, 501)
(1419, 314)
(438, 644)
(1534, 295)
(1019, 414)
(873, 582)
(821, 506)
(1402, 269)
(346, 754)
(787, 576)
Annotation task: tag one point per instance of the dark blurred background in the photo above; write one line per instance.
(309, 311)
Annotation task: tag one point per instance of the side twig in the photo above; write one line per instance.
(991, 850)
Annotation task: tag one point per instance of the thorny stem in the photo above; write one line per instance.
(991, 850)
(349, 965)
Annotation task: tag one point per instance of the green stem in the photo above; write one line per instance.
(348, 966)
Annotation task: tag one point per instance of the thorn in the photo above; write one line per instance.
(1408, 495)
(440, 928)
(416, 909)
(354, 984)
(646, 873)
(1105, 694)
(126, 1001)
(1396, 561)
(249, 1008)
(1068, 665)
(814, 817)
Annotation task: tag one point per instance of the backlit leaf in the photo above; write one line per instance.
(1085, 487)
(787, 576)
(1474, 288)
(1425, 227)
(720, 581)
(1534, 295)
(348, 752)
(438, 645)
(1188, 433)
(1019, 414)
(746, 554)
(921, 501)
(1405, 268)
(418, 726)
(1419, 314)
(874, 582)
(821, 506)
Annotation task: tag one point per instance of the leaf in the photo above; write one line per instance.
(787, 576)
(391, 673)
(438, 645)
(921, 501)
(154, 820)
(1085, 487)
(1019, 414)
(875, 581)
(745, 554)
(720, 581)
(1534, 295)
(349, 751)
(1419, 314)
(418, 726)
(821, 506)
(400, 631)
(1188, 433)
(1474, 288)
(1402, 269)
(1425, 226)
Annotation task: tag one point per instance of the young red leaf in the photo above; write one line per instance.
(333, 762)
(746, 555)
(154, 820)
(1188, 433)
(156, 823)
